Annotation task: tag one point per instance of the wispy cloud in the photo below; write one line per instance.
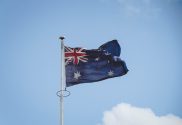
(125, 114)
(140, 7)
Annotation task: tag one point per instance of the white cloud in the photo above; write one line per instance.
(125, 114)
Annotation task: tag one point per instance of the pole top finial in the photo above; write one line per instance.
(62, 37)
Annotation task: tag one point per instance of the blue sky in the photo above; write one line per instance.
(149, 32)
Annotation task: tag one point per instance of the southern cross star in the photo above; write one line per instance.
(107, 53)
(77, 75)
(97, 59)
(110, 73)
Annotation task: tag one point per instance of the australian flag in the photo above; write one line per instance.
(85, 66)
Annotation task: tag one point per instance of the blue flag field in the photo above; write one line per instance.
(86, 66)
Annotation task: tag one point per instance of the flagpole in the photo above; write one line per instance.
(63, 81)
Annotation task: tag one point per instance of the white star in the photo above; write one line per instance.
(107, 53)
(115, 58)
(97, 59)
(110, 73)
(77, 75)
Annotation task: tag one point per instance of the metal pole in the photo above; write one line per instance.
(63, 76)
